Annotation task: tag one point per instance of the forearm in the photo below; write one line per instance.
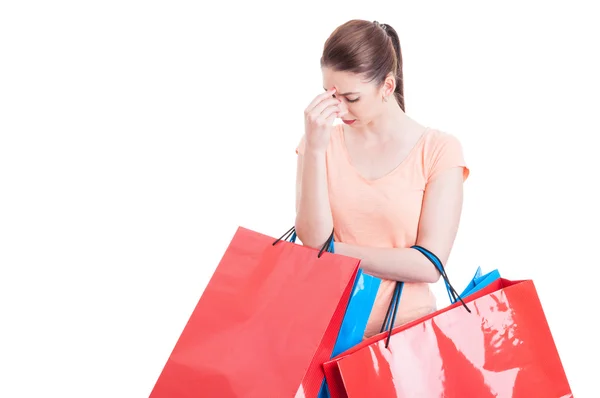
(400, 264)
(314, 222)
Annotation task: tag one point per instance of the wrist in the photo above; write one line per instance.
(315, 150)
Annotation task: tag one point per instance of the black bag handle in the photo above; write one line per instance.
(390, 317)
(454, 296)
(292, 231)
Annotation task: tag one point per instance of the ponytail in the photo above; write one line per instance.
(399, 91)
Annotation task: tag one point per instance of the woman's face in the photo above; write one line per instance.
(361, 101)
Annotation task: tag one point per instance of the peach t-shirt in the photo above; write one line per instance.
(385, 212)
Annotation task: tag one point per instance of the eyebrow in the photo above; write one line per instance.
(352, 92)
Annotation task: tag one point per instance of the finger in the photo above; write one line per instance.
(329, 114)
(330, 119)
(320, 108)
(315, 117)
(319, 98)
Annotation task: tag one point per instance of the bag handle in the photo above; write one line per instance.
(388, 322)
(452, 293)
(291, 235)
(390, 317)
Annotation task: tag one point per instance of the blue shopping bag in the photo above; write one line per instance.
(480, 281)
(357, 313)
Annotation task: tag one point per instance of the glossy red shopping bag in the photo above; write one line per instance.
(503, 348)
(264, 325)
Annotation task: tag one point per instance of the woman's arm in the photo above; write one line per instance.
(438, 225)
(314, 222)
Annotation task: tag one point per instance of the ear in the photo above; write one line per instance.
(389, 85)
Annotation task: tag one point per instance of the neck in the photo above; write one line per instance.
(391, 122)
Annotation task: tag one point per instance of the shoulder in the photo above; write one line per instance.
(436, 139)
(442, 150)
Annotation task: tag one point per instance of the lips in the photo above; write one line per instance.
(348, 121)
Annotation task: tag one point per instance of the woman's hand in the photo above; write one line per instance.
(318, 120)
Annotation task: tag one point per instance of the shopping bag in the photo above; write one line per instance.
(356, 315)
(502, 348)
(358, 310)
(480, 281)
(333, 377)
(264, 325)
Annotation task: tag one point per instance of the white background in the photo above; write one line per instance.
(137, 136)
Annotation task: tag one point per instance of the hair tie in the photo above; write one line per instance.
(382, 26)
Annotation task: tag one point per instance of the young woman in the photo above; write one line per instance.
(381, 181)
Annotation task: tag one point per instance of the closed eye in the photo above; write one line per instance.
(345, 95)
(349, 100)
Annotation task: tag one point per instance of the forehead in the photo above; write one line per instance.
(343, 81)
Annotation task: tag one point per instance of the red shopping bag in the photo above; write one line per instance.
(503, 348)
(264, 325)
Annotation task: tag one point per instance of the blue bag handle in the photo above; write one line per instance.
(390, 317)
(454, 296)
(438, 264)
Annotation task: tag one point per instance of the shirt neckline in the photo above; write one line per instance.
(391, 172)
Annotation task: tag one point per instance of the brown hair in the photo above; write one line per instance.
(367, 48)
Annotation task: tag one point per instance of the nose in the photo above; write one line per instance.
(343, 109)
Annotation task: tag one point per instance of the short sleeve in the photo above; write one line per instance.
(447, 153)
(301, 145)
